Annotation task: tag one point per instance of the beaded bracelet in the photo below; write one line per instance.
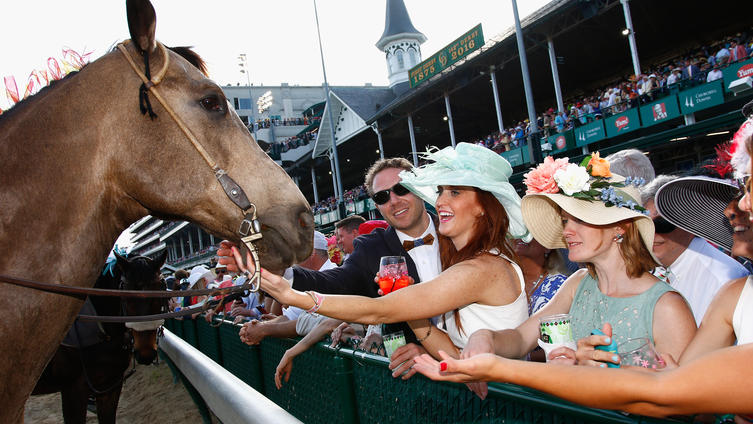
(317, 298)
(428, 333)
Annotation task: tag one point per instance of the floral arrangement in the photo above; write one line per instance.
(588, 181)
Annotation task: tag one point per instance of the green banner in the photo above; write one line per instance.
(561, 142)
(660, 111)
(517, 156)
(701, 97)
(737, 71)
(458, 49)
(622, 123)
(589, 133)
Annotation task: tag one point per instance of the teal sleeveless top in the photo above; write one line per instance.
(630, 317)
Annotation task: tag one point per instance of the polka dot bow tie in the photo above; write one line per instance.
(410, 244)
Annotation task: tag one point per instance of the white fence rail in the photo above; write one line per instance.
(229, 398)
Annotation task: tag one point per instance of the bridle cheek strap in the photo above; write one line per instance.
(250, 228)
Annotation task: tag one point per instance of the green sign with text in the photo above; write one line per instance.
(736, 71)
(659, 111)
(701, 97)
(622, 123)
(590, 133)
(517, 156)
(458, 49)
(560, 142)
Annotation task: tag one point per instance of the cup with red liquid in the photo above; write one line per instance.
(393, 274)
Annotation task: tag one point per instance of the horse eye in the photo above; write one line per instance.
(212, 104)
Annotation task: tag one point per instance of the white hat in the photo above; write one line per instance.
(320, 242)
(197, 273)
(473, 166)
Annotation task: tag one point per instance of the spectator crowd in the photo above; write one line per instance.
(703, 64)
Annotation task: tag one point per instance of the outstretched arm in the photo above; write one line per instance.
(460, 285)
(286, 362)
(714, 383)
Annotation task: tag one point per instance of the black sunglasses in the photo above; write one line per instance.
(382, 197)
(662, 226)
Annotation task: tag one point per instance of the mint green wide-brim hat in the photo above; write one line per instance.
(468, 165)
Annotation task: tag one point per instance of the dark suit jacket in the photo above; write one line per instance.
(356, 275)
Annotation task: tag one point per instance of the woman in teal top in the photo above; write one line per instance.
(598, 218)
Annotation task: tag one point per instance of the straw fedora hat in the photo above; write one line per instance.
(611, 200)
(472, 166)
(696, 204)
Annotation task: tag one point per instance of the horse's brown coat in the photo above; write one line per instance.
(80, 163)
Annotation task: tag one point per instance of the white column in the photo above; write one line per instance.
(631, 37)
(449, 118)
(313, 184)
(555, 75)
(413, 141)
(375, 127)
(497, 104)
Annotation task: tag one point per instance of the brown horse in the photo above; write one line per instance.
(94, 356)
(81, 162)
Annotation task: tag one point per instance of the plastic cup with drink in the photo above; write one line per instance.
(393, 274)
(555, 331)
(640, 352)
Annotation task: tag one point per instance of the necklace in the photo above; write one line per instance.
(536, 284)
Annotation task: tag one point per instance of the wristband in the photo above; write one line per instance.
(317, 298)
(428, 333)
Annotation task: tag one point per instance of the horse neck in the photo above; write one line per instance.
(61, 206)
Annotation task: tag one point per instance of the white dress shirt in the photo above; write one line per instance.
(700, 271)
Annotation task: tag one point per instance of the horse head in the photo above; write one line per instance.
(143, 273)
(174, 179)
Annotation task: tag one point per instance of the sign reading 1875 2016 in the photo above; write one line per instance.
(451, 53)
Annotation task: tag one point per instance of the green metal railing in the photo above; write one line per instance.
(345, 386)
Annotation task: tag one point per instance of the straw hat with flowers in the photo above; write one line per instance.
(587, 191)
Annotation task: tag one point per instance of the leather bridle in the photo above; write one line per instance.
(249, 229)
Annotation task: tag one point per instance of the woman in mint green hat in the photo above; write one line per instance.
(480, 286)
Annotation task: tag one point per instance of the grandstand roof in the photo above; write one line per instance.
(592, 54)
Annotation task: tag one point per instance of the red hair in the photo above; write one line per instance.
(489, 232)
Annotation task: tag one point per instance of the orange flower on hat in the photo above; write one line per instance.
(599, 166)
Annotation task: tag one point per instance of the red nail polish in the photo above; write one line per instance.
(443, 366)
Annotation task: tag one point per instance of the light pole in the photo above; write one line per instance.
(336, 161)
(244, 70)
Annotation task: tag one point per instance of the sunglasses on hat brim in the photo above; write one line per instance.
(382, 197)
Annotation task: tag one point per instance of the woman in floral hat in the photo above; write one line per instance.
(596, 215)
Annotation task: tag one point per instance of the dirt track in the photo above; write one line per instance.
(149, 395)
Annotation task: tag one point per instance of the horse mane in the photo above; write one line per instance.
(185, 52)
(192, 57)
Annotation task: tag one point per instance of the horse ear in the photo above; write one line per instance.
(141, 24)
(160, 260)
(121, 261)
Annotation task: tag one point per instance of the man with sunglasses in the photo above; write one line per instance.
(693, 266)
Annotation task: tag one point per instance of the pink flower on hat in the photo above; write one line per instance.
(541, 178)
